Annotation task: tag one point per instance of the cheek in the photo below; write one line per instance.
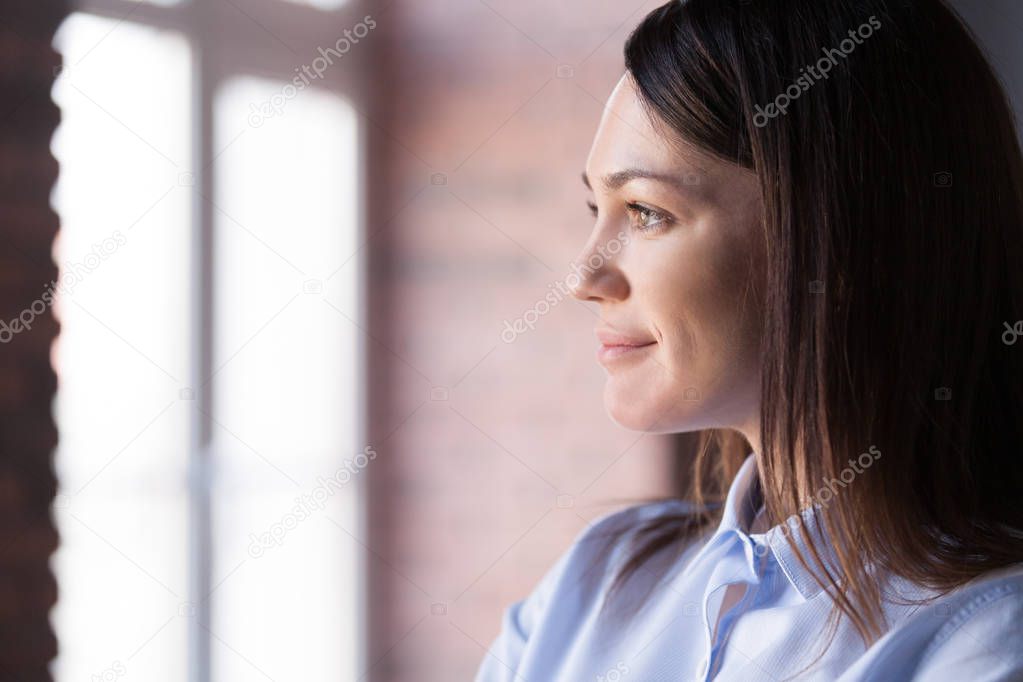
(701, 301)
(689, 290)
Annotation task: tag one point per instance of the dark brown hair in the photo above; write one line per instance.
(892, 189)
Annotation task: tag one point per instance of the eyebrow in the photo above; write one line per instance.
(619, 179)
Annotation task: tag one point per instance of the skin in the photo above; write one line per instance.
(689, 284)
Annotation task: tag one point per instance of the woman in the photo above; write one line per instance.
(808, 245)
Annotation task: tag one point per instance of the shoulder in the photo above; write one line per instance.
(587, 565)
(600, 549)
(620, 527)
(536, 630)
(979, 634)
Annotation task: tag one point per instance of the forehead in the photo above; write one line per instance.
(627, 138)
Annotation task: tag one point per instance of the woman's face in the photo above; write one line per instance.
(675, 262)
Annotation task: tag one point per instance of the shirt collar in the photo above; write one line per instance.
(745, 499)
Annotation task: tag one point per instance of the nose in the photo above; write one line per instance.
(596, 274)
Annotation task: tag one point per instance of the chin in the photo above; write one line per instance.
(641, 414)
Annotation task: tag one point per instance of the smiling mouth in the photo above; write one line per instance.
(610, 352)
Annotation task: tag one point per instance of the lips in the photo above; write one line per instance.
(615, 345)
(612, 338)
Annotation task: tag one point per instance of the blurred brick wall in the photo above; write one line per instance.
(27, 383)
(492, 455)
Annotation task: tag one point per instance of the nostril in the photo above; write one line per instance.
(576, 283)
(597, 279)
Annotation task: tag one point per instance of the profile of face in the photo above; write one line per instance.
(675, 262)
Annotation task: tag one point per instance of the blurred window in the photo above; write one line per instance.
(209, 362)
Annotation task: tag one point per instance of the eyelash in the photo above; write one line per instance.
(639, 209)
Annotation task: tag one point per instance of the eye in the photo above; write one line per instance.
(646, 218)
(593, 208)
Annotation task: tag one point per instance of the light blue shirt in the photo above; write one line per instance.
(973, 634)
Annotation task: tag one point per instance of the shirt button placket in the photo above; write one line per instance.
(726, 623)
